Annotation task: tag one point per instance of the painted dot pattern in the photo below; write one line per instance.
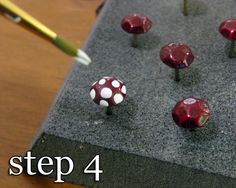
(92, 94)
(189, 101)
(103, 103)
(118, 98)
(115, 84)
(108, 91)
(123, 89)
(102, 81)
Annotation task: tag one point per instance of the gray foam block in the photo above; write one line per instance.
(139, 145)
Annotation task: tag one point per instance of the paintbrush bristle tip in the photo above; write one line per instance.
(83, 58)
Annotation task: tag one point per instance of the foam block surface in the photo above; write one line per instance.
(141, 135)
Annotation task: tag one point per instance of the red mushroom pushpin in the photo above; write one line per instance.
(108, 92)
(177, 56)
(228, 30)
(191, 113)
(136, 24)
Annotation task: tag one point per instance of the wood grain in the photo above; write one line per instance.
(31, 73)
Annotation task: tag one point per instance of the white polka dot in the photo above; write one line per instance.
(103, 103)
(102, 81)
(93, 93)
(94, 83)
(118, 98)
(106, 93)
(115, 83)
(189, 101)
(123, 89)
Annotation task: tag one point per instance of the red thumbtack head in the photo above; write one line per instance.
(228, 30)
(136, 24)
(108, 92)
(177, 56)
(191, 113)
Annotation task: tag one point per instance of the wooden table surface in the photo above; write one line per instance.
(31, 73)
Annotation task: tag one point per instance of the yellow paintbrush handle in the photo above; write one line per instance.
(8, 5)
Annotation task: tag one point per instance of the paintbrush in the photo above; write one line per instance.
(19, 16)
